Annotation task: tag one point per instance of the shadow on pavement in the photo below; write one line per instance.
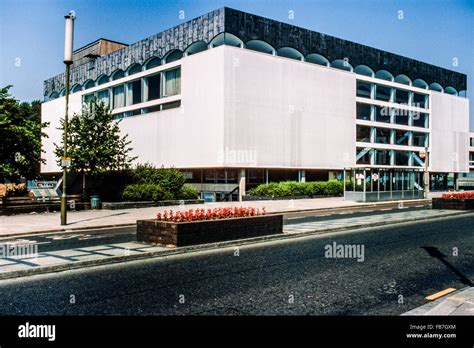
(96, 218)
(434, 252)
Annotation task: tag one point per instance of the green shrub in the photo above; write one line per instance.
(111, 185)
(144, 192)
(292, 188)
(188, 192)
(334, 188)
(170, 179)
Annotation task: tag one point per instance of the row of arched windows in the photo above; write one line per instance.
(261, 46)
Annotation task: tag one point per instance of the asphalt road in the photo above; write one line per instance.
(402, 263)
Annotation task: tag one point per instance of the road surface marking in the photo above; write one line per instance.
(440, 294)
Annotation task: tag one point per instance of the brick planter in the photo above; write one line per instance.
(455, 204)
(209, 231)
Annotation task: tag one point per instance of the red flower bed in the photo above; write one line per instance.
(208, 214)
(459, 195)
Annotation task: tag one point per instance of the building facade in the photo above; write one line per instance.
(235, 100)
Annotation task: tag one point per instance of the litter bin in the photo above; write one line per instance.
(95, 202)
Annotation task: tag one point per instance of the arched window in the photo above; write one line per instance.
(89, 84)
(364, 70)
(54, 95)
(420, 84)
(289, 52)
(76, 88)
(153, 63)
(134, 69)
(63, 92)
(226, 39)
(260, 46)
(451, 90)
(117, 74)
(317, 59)
(195, 47)
(102, 79)
(173, 56)
(404, 79)
(436, 87)
(384, 75)
(342, 64)
(463, 94)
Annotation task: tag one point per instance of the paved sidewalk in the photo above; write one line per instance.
(36, 222)
(458, 303)
(378, 219)
(80, 254)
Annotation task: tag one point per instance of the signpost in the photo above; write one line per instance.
(424, 155)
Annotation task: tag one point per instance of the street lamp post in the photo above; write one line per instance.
(427, 173)
(68, 44)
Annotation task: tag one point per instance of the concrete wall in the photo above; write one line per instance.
(286, 113)
(449, 133)
(52, 112)
(190, 136)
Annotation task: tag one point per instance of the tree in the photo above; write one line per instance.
(20, 138)
(94, 142)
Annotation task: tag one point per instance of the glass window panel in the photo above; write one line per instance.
(382, 93)
(103, 96)
(363, 89)
(419, 139)
(220, 175)
(363, 134)
(153, 87)
(420, 120)
(88, 98)
(363, 155)
(401, 116)
(401, 137)
(173, 82)
(419, 100)
(382, 114)
(382, 136)
(171, 105)
(363, 111)
(232, 176)
(257, 176)
(119, 96)
(209, 176)
(401, 158)
(135, 90)
(382, 157)
(401, 96)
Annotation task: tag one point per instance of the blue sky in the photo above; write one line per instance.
(32, 31)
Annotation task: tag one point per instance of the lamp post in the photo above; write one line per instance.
(427, 173)
(65, 161)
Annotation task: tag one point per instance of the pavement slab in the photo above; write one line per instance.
(458, 303)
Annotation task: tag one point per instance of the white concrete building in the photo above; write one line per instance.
(235, 113)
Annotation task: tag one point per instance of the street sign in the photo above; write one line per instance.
(375, 176)
(65, 162)
(422, 154)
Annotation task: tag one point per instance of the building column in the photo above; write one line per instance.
(241, 184)
(302, 175)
